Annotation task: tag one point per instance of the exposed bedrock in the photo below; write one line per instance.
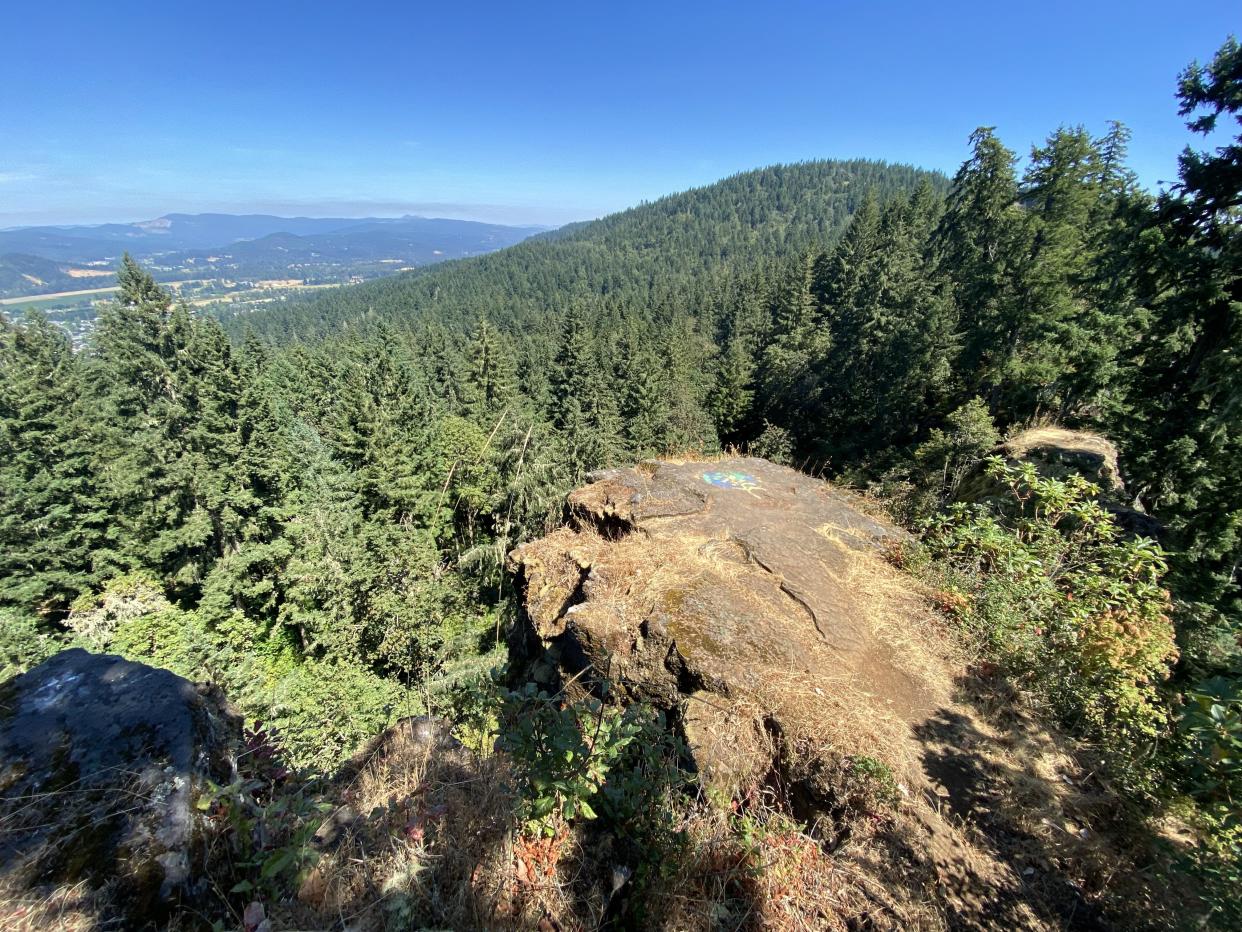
(101, 762)
(751, 600)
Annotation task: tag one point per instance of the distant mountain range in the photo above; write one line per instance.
(40, 260)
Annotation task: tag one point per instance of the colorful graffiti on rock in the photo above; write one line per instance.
(732, 480)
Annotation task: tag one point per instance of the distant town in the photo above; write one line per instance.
(225, 264)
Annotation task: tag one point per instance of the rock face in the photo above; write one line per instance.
(1058, 453)
(751, 600)
(101, 761)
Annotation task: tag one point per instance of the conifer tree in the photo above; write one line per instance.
(1184, 424)
(245, 585)
(1112, 282)
(490, 388)
(742, 324)
(977, 246)
(52, 545)
(141, 446)
(891, 334)
(688, 375)
(644, 398)
(734, 394)
(583, 409)
(797, 343)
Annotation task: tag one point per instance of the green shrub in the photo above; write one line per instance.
(562, 753)
(569, 758)
(1211, 726)
(323, 711)
(939, 465)
(96, 617)
(261, 838)
(474, 704)
(1057, 594)
(775, 444)
(870, 785)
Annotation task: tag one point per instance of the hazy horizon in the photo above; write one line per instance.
(280, 214)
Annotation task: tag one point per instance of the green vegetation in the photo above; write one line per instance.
(569, 757)
(316, 512)
(1055, 592)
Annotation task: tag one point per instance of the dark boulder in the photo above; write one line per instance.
(101, 763)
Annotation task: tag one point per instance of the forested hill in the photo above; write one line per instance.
(662, 253)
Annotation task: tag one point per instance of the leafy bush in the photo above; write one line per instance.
(475, 704)
(262, 824)
(1057, 594)
(324, 711)
(1211, 726)
(948, 456)
(869, 784)
(321, 710)
(940, 464)
(95, 617)
(775, 444)
(569, 758)
(562, 753)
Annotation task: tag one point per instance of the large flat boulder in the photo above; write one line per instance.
(101, 762)
(750, 599)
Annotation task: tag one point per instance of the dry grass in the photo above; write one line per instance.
(436, 845)
(758, 870)
(431, 831)
(1078, 442)
(1007, 829)
(1028, 796)
(74, 908)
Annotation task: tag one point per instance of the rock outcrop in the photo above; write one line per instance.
(1057, 452)
(760, 609)
(752, 601)
(101, 762)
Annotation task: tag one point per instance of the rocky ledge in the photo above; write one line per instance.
(750, 600)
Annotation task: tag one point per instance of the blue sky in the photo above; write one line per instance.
(547, 112)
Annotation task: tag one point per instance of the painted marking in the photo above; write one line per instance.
(731, 480)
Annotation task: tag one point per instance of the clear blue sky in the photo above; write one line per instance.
(547, 112)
